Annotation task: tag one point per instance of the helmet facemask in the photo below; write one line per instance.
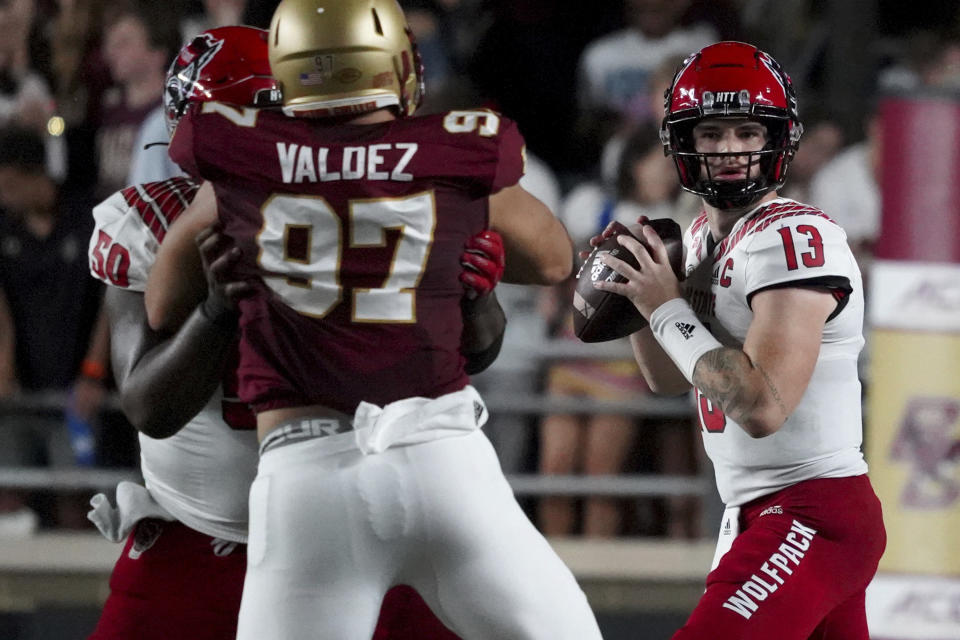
(225, 64)
(766, 168)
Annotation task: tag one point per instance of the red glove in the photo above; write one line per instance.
(483, 262)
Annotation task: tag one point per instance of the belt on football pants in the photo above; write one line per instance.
(402, 422)
(303, 429)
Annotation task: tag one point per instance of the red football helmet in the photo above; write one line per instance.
(731, 79)
(226, 64)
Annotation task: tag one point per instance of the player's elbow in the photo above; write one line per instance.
(162, 315)
(665, 387)
(157, 313)
(556, 265)
(149, 422)
(557, 272)
(760, 424)
(758, 414)
(663, 380)
(549, 268)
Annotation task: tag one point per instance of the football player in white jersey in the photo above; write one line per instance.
(182, 569)
(766, 327)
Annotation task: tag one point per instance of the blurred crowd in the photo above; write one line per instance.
(81, 111)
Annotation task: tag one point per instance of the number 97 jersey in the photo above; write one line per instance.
(781, 243)
(353, 234)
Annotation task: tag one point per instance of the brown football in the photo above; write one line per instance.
(598, 315)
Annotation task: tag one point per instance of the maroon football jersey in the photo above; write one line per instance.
(356, 233)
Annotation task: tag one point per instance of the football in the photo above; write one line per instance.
(598, 315)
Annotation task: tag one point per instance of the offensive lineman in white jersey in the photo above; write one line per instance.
(766, 327)
(193, 509)
(181, 571)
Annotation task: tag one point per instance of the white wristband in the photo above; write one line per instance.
(681, 334)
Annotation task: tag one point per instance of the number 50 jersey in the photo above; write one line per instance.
(781, 243)
(202, 473)
(355, 234)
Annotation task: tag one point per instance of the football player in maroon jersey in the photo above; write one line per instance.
(181, 571)
(766, 328)
(349, 215)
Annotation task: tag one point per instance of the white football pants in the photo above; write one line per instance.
(332, 529)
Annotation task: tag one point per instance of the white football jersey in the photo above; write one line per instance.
(202, 474)
(781, 243)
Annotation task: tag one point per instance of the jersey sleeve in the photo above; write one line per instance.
(807, 250)
(480, 149)
(693, 248)
(122, 247)
(129, 227)
(512, 157)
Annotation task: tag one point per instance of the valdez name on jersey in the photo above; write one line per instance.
(352, 235)
(202, 474)
(355, 163)
(781, 243)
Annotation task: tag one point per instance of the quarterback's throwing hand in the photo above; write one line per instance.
(483, 262)
(653, 282)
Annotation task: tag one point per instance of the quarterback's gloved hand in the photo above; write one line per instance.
(483, 262)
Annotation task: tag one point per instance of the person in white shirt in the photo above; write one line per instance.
(616, 69)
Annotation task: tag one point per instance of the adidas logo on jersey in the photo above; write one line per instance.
(774, 510)
(685, 329)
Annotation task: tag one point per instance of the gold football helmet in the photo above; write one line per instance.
(337, 57)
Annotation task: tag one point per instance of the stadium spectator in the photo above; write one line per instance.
(822, 140)
(525, 65)
(603, 444)
(616, 69)
(25, 98)
(58, 340)
(518, 369)
(79, 77)
(139, 40)
(212, 14)
(848, 186)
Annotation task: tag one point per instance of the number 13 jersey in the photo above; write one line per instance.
(781, 243)
(354, 233)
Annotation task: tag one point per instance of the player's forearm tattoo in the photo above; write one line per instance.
(721, 375)
(774, 393)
